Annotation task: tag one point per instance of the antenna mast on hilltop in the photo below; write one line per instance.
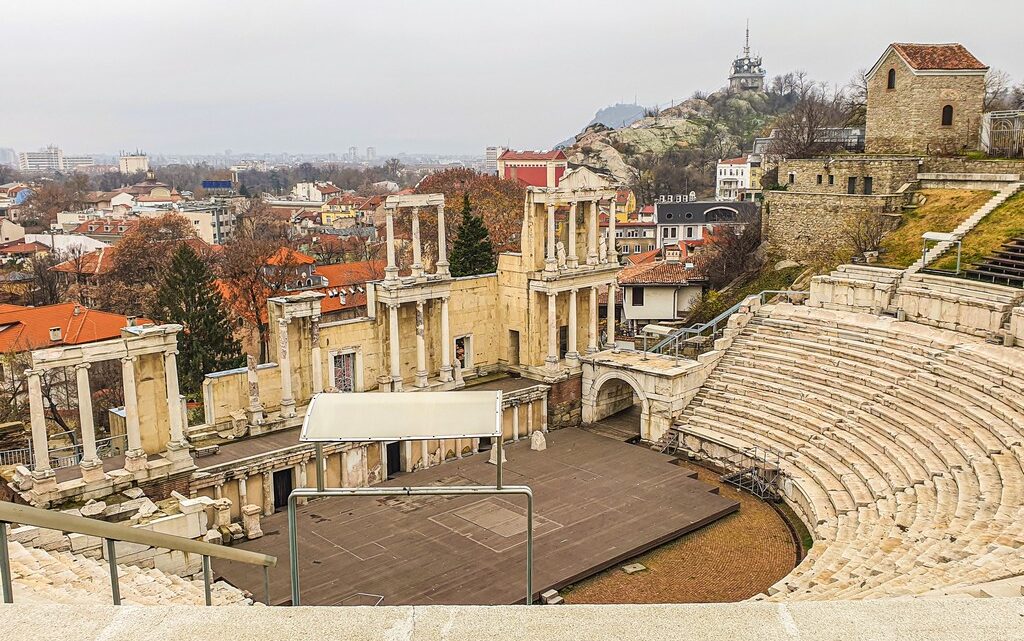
(746, 45)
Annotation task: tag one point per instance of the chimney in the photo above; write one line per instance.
(77, 310)
(55, 335)
(131, 320)
(672, 254)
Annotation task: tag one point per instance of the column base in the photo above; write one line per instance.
(92, 470)
(592, 349)
(592, 261)
(288, 408)
(551, 363)
(177, 451)
(572, 263)
(255, 415)
(441, 269)
(421, 379)
(572, 359)
(44, 480)
(135, 461)
(396, 384)
(550, 265)
(446, 374)
(390, 274)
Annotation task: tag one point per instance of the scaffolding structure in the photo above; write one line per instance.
(756, 470)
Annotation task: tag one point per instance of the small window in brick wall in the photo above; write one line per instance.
(792, 178)
(947, 116)
(831, 179)
(892, 79)
(819, 179)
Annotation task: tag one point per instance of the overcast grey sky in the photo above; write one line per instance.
(449, 76)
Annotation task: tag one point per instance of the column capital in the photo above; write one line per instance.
(282, 322)
(393, 305)
(129, 359)
(79, 366)
(445, 299)
(552, 294)
(33, 372)
(420, 303)
(575, 290)
(171, 352)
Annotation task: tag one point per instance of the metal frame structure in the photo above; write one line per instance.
(474, 490)
(113, 532)
(937, 238)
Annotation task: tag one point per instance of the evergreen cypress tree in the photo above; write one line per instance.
(206, 344)
(472, 252)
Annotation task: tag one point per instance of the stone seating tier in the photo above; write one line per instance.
(47, 577)
(903, 444)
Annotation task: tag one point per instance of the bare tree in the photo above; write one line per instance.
(998, 91)
(803, 131)
(855, 99)
(864, 233)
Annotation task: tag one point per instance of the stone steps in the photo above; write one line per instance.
(40, 576)
(902, 442)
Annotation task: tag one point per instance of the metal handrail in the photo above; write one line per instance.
(699, 329)
(111, 532)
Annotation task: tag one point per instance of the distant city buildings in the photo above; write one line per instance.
(491, 159)
(8, 156)
(132, 163)
(371, 153)
(317, 191)
(51, 158)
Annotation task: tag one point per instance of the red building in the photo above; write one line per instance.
(533, 168)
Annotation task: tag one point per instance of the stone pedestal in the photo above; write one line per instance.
(92, 471)
(538, 442)
(493, 459)
(135, 460)
(222, 512)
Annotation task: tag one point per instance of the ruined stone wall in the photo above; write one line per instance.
(565, 403)
(908, 119)
(805, 226)
(154, 420)
(228, 391)
(888, 174)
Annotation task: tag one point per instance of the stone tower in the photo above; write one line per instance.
(747, 73)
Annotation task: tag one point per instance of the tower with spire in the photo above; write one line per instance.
(747, 73)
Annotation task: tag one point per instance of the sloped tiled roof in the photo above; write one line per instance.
(555, 154)
(948, 57)
(742, 160)
(28, 328)
(643, 258)
(663, 273)
(286, 256)
(23, 248)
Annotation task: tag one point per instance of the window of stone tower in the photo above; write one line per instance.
(892, 79)
(947, 116)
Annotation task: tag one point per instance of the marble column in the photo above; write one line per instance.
(442, 245)
(243, 492)
(550, 260)
(135, 456)
(90, 461)
(383, 461)
(417, 249)
(316, 364)
(421, 346)
(613, 251)
(268, 492)
(446, 348)
(515, 421)
(529, 418)
(177, 435)
(571, 260)
(300, 480)
(544, 413)
(40, 440)
(253, 379)
(572, 354)
(611, 315)
(284, 363)
(394, 348)
(592, 228)
(391, 271)
(425, 454)
(592, 333)
(552, 359)
(407, 446)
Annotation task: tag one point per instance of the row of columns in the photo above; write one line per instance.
(285, 365)
(572, 352)
(391, 271)
(424, 446)
(593, 229)
(90, 463)
(395, 346)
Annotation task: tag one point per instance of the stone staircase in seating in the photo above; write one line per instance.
(903, 446)
(961, 230)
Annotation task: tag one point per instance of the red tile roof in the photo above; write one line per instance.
(663, 273)
(327, 189)
(555, 154)
(953, 56)
(352, 273)
(643, 257)
(24, 248)
(286, 256)
(742, 160)
(28, 328)
(99, 225)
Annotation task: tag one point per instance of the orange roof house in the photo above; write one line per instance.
(28, 328)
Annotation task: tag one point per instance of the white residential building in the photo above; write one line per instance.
(737, 178)
(51, 158)
(132, 163)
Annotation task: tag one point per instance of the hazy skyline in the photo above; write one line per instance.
(444, 76)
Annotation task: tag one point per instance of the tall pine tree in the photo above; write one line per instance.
(206, 344)
(472, 252)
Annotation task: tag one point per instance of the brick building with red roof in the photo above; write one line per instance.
(533, 168)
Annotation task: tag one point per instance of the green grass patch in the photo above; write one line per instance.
(716, 302)
(1004, 222)
(942, 211)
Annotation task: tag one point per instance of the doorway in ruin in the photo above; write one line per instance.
(618, 410)
(283, 486)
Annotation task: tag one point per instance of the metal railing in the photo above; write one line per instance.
(67, 455)
(113, 532)
(710, 329)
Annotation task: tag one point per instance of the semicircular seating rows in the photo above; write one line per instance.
(903, 444)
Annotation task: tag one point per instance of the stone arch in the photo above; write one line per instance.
(592, 412)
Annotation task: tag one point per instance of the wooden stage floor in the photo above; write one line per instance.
(598, 501)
